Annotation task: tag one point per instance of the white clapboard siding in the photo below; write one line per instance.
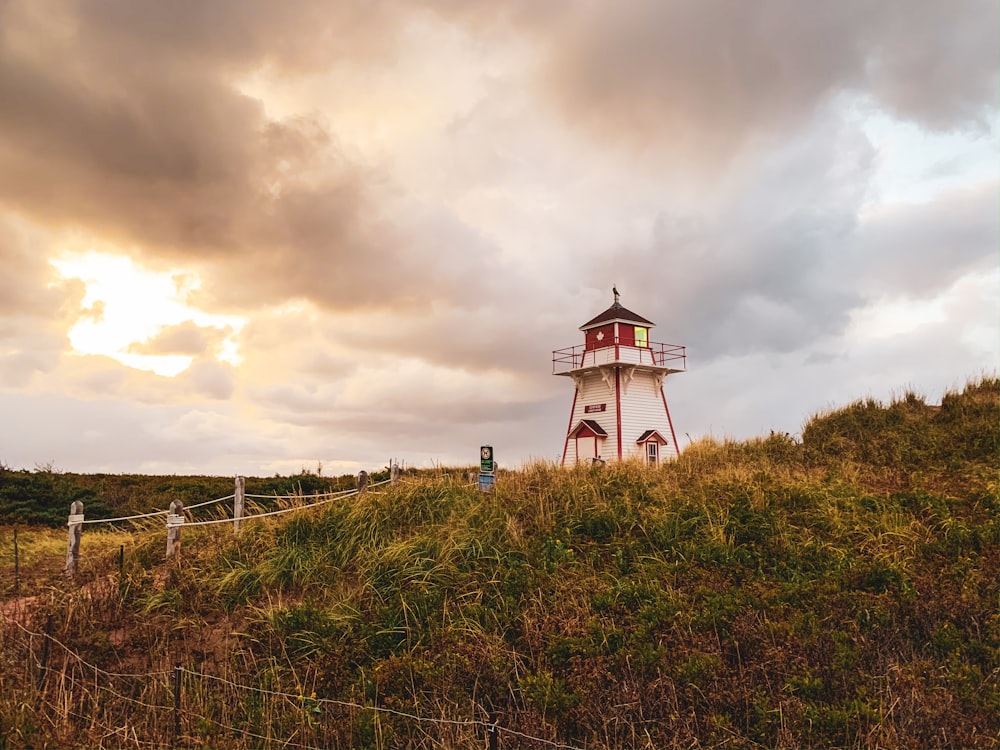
(642, 406)
(643, 409)
(594, 391)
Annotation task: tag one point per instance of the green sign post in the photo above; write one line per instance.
(486, 459)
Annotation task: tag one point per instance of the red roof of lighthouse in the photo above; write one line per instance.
(649, 435)
(585, 425)
(619, 313)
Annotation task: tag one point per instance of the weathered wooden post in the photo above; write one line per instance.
(492, 736)
(175, 519)
(75, 525)
(238, 504)
(393, 473)
(43, 667)
(362, 481)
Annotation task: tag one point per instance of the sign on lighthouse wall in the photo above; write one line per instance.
(619, 408)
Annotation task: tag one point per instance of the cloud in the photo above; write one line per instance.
(36, 310)
(165, 154)
(412, 205)
(27, 284)
(117, 435)
(184, 338)
(920, 250)
(760, 266)
(704, 81)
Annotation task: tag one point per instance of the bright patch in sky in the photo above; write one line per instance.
(915, 164)
(126, 304)
(895, 318)
(972, 298)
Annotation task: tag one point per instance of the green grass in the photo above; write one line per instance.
(838, 591)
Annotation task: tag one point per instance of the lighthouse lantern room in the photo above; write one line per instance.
(619, 409)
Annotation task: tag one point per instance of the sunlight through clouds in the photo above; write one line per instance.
(126, 304)
(338, 232)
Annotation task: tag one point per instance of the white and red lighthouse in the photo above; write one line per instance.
(619, 410)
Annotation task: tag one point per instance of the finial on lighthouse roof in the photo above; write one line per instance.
(614, 290)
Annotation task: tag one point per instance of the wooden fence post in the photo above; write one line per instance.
(75, 525)
(238, 496)
(362, 481)
(43, 667)
(393, 473)
(492, 736)
(175, 519)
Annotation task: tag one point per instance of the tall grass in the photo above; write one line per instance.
(836, 591)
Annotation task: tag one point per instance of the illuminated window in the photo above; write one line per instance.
(640, 336)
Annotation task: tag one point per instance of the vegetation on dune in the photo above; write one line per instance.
(43, 496)
(838, 591)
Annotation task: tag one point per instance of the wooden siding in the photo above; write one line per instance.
(642, 409)
(608, 338)
(593, 391)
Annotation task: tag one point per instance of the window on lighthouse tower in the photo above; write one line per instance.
(640, 336)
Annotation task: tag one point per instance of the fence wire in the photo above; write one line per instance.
(159, 680)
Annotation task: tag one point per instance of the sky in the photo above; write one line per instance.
(249, 237)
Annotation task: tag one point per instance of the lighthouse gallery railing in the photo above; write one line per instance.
(673, 356)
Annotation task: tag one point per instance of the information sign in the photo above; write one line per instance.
(486, 459)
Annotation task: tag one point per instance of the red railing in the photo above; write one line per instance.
(673, 356)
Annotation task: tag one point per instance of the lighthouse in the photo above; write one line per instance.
(619, 409)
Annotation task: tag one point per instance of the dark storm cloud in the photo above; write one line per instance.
(407, 294)
(295, 34)
(748, 98)
(762, 269)
(141, 135)
(144, 139)
(797, 272)
(704, 79)
(186, 169)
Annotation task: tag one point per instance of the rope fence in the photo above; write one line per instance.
(155, 512)
(296, 497)
(328, 498)
(177, 515)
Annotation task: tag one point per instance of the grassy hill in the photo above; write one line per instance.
(43, 496)
(838, 591)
